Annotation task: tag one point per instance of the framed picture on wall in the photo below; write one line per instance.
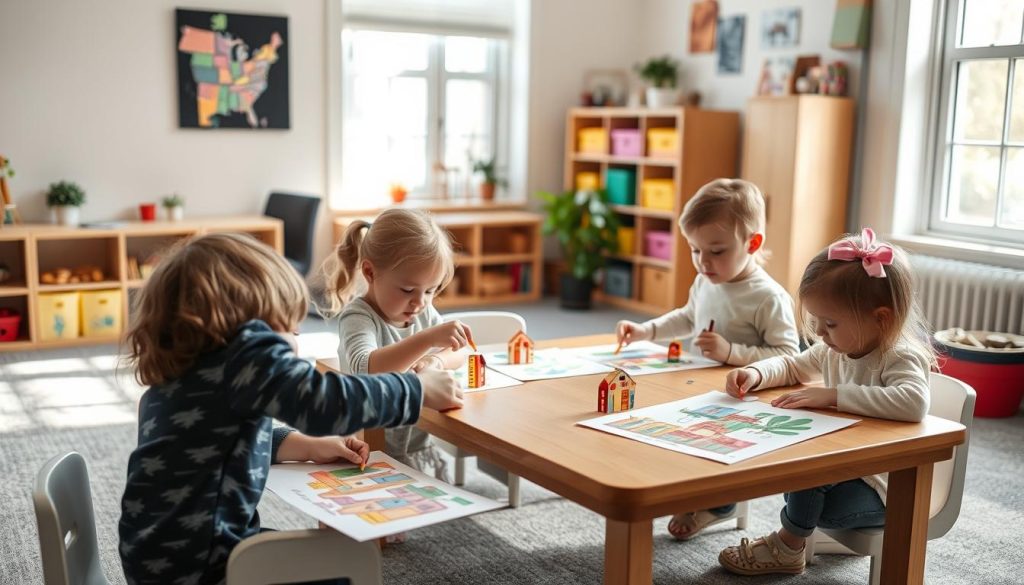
(232, 70)
(730, 43)
(702, 26)
(780, 28)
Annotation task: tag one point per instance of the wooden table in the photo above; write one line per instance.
(530, 430)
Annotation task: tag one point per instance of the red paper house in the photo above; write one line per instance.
(675, 349)
(520, 349)
(477, 369)
(616, 392)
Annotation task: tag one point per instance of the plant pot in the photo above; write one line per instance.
(175, 213)
(487, 191)
(662, 97)
(575, 292)
(66, 215)
(147, 211)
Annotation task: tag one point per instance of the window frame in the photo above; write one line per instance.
(940, 166)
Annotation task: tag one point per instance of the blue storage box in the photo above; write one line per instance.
(621, 186)
(618, 280)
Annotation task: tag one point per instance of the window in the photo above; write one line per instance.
(979, 169)
(417, 110)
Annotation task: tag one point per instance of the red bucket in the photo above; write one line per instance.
(10, 324)
(997, 375)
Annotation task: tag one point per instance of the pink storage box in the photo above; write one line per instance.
(627, 142)
(658, 244)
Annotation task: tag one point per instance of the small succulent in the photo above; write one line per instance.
(65, 193)
(173, 200)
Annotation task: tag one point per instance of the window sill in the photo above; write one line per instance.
(962, 250)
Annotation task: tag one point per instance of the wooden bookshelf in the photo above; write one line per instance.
(500, 241)
(706, 148)
(29, 250)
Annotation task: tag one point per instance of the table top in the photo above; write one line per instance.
(531, 430)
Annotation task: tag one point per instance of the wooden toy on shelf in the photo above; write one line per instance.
(675, 349)
(616, 392)
(520, 349)
(68, 276)
(477, 368)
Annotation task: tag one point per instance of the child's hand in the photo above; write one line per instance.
(627, 332)
(712, 345)
(452, 334)
(813, 397)
(440, 390)
(740, 381)
(333, 448)
(428, 361)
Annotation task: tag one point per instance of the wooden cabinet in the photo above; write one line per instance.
(650, 161)
(797, 150)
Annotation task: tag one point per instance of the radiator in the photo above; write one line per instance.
(973, 296)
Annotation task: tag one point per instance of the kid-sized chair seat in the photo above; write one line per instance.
(300, 556)
(953, 400)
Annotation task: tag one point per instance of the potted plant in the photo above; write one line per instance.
(174, 205)
(64, 198)
(587, 229)
(488, 168)
(662, 73)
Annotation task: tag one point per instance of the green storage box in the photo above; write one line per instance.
(621, 186)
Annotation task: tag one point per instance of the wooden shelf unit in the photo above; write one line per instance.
(707, 148)
(29, 250)
(484, 242)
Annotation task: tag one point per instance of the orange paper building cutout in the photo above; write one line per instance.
(675, 349)
(616, 392)
(520, 349)
(477, 368)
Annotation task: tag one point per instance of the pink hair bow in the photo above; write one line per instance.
(873, 256)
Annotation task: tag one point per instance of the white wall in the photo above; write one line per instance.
(89, 94)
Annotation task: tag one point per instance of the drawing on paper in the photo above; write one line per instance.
(644, 357)
(547, 363)
(493, 379)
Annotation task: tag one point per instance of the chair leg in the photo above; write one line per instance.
(742, 514)
(809, 548)
(513, 491)
(460, 470)
(876, 570)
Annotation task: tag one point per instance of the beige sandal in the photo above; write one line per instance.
(764, 556)
(688, 525)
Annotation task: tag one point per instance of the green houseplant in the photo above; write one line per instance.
(662, 73)
(587, 229)
(174, 204)
(489, 169)
(64, 198)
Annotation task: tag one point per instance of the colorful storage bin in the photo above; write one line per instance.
(587, 181)
(10, 324)
(58, 315)
(658, 244)
(658, 193)
(101, 313)
(618, 281)
(621, 186)
(627, 142)
(592, 141)
(654, 286)
(627, 240)
(662, 142)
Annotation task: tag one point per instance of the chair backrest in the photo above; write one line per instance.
(67, 528)
(490, 326)
(953, 400)
(297, 556)
(298, 212)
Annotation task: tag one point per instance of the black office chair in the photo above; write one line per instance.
(298, 212)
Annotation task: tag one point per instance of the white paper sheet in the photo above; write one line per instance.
(547, 363)
(386, 498)
(642, 357)
(717, 426)
(492, 378)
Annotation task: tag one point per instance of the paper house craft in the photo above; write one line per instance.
(616, 392)
(675, 349)
(520, 349)
(477, 368)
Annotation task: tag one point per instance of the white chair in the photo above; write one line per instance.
(298, 556)
(488, 327)
(67, 528)
(953, 400)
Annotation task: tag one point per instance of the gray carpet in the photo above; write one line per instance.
(55, 401)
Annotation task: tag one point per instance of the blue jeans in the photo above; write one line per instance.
(849, 504)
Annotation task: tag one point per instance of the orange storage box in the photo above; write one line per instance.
(587, 181)
(101, 313)
(592, 141)
(662, 142)
(658, 194)
(58, 315)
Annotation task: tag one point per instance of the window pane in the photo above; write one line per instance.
(973, 181)
(467, 121)
(1017, 106)
(466, 54)
(992, 22)
(1012, 213)
(388, 53)
(980, 100)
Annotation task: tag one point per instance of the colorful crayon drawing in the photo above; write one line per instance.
(718, 427)
(547, 363)
(643, 357)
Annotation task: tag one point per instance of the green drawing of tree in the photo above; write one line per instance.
(782, 425)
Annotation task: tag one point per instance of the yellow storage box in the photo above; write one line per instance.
(101, 313)
(587, 181)
(58, 315)
(592, 141)
(658, 194)
(662, 142)
(627, 240)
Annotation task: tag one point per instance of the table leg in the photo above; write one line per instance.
(906, 525)
(628, 552)
(374, 438)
